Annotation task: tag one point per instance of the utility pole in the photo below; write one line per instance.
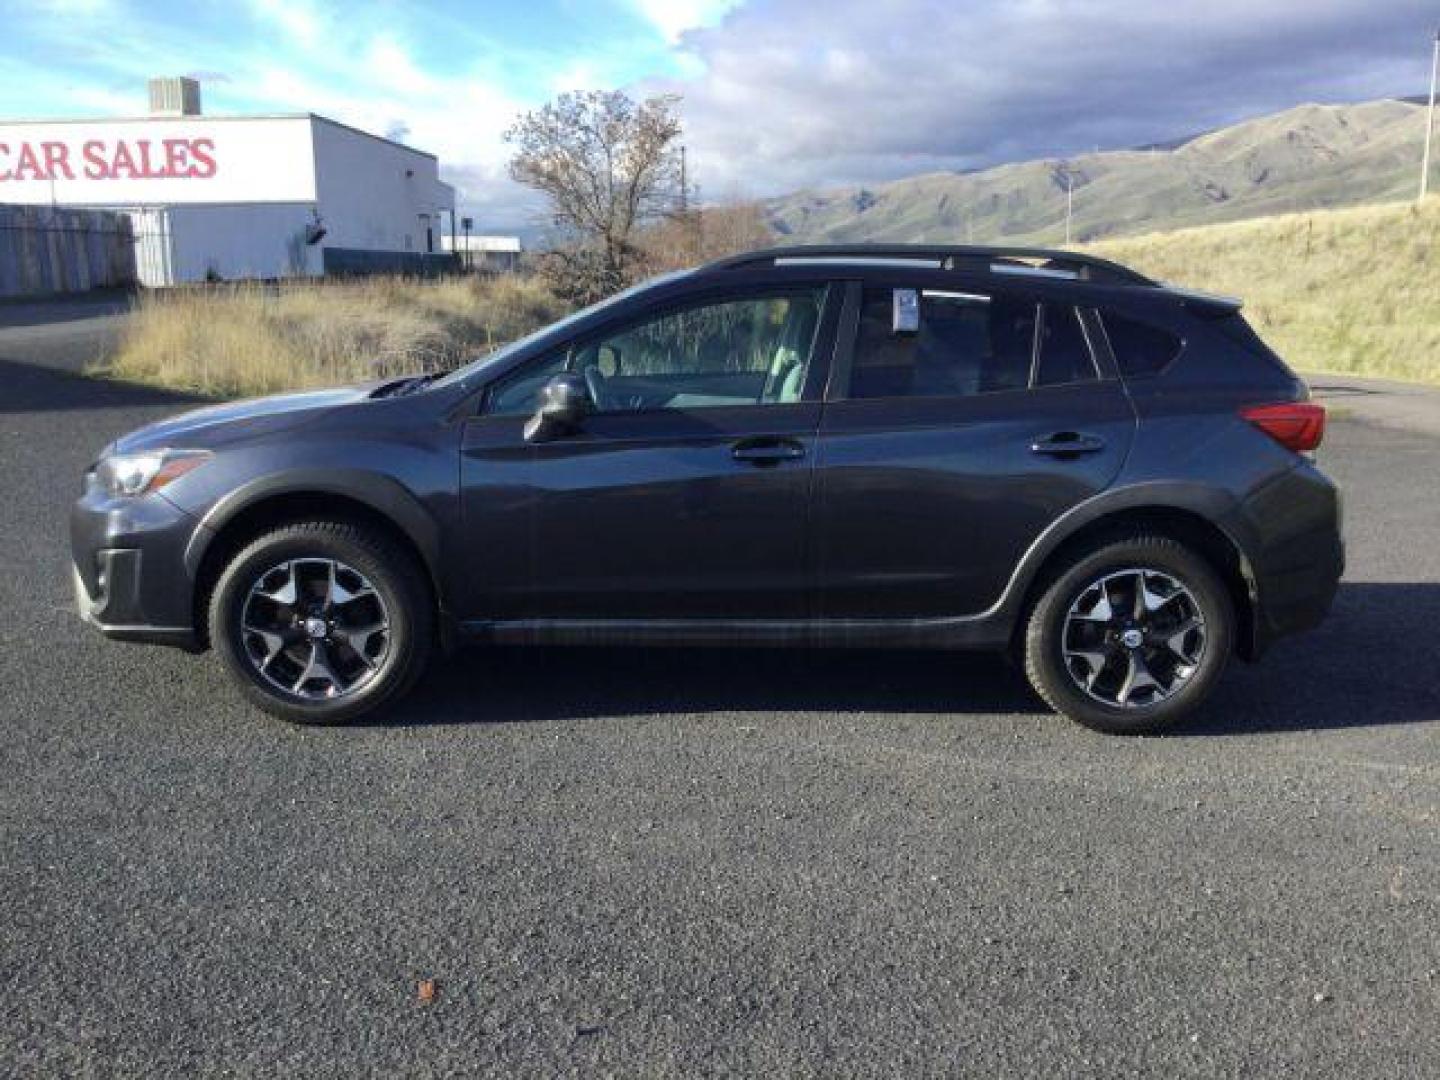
(684, 185)
(1430, 119)
(1069, 203)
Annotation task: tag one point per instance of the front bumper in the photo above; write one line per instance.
(110, 611)
(129, 574)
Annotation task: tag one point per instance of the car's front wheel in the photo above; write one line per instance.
(320, 622)
(1131, 636)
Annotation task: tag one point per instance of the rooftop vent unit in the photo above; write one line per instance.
(175, 96)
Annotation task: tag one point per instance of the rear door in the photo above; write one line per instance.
(946, 449)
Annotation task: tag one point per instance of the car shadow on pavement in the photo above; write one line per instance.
(1373, 662)
(517, 684)
(58, 310)
(35, 388)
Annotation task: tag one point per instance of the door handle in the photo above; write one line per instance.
(1067, 444)
(767, 451)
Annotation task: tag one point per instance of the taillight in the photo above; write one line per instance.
(1295, 425)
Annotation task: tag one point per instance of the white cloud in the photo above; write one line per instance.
(297, 18)
(580, 75)
(674, 17)
(793, 93)
(388, 65)
(460, 119)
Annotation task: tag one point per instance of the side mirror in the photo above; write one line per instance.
(564, 402)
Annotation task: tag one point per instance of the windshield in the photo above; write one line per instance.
(476, 367)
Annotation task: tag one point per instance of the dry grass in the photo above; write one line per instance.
(1354, 291)
(258, 339)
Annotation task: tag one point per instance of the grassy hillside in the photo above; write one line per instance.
(1311, 157)
(1353, 291)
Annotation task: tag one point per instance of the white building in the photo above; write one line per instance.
(236, 196)
(496, 253)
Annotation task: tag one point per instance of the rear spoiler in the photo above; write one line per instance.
(1216, 305)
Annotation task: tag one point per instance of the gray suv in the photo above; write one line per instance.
(947, 447)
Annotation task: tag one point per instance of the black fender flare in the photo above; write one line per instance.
(1215, 505)
(382, 494)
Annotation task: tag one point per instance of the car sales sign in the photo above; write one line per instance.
(158, 161)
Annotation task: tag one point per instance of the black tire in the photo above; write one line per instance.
(395, 583)
(1055, 680)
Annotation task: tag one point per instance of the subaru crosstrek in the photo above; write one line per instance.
(947, 447)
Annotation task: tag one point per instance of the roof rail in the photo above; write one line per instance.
(1047, 262)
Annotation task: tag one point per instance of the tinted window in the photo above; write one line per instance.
(732, 352)
(966, 344)
(1139, 348)
(735, 352)
(1064, 353)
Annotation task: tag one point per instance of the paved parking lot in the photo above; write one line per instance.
(702, 862)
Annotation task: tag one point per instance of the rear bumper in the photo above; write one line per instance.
(129, 575)
(1299, 558)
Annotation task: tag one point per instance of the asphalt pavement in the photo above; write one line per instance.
(696, 863)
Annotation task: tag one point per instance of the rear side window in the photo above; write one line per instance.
(966, 344)
(1064, 354)
(1139, 347)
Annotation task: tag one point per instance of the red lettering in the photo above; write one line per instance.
(57, 160)
(122, 159)
(28, 163)
(98, 159)
(147, 170)
(176, 161)
(95, 166)
(202, 150)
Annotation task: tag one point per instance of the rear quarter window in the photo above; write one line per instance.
(1140, 348)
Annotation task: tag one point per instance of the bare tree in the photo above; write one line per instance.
(700, 234)
(607, 164)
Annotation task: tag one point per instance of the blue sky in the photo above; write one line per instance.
(446, 76)
(778, 94)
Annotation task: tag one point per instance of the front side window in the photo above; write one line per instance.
(518, 394)
(966, 344)
(752, 351)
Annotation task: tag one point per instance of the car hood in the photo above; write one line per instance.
(216, 425)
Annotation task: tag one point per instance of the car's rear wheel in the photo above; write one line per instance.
(321, 622)
(1130, 637)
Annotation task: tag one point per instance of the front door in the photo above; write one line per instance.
(951, 445)
(685, 495)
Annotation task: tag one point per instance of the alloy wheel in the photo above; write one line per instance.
(1133, 638)
(315, 628)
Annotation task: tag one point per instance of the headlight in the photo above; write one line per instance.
(140, 474)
